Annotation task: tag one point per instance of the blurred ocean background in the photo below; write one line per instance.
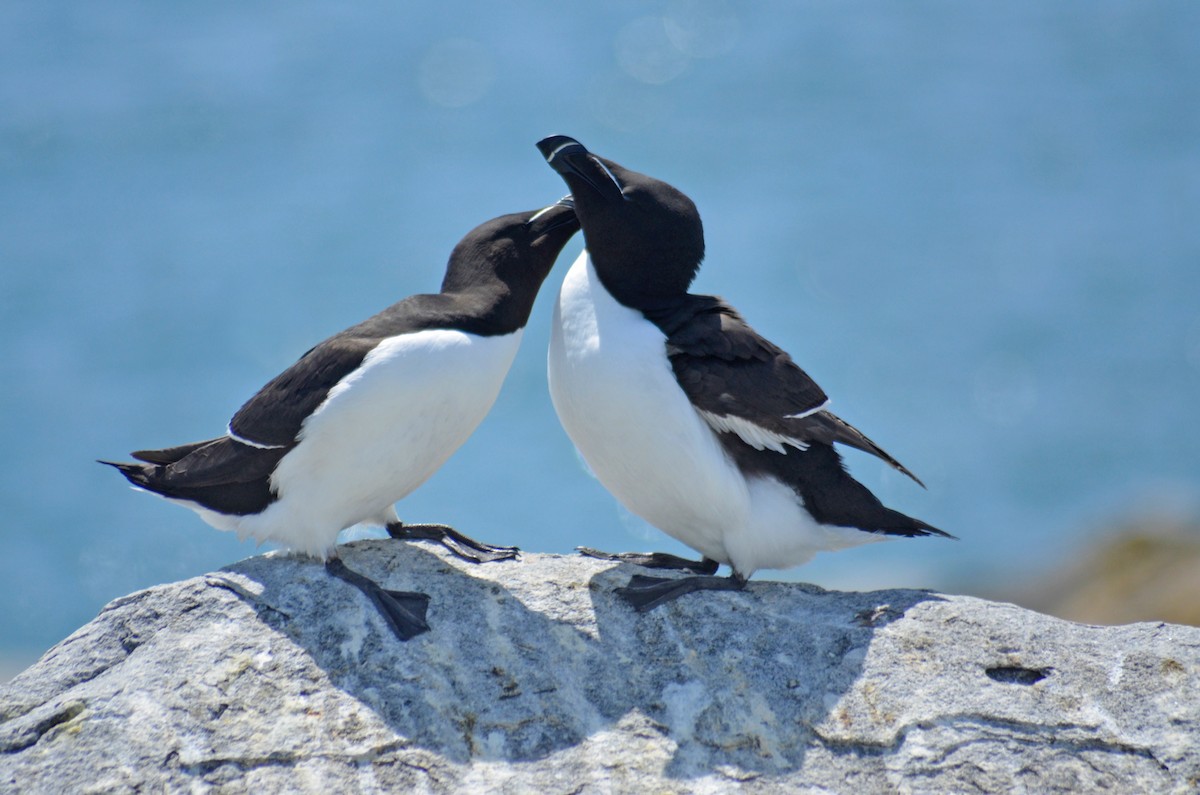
(976, 225)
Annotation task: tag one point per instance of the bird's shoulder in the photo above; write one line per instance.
(705, 326)
(731, 373)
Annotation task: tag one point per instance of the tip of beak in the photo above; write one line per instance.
(566, 201)
(555, 145)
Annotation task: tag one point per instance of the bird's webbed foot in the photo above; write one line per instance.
(647, 593)
(460, 545)
(655, 560)
(404, 611)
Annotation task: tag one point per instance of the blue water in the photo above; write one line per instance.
(977, 225)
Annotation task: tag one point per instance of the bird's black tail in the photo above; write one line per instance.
(134, 473)
(222, 474)
(169, 455)
(910, 527)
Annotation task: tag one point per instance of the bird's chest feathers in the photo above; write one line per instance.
(618, 400)
(608, 353)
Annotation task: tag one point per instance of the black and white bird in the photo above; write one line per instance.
(692, 420)
(368, 415)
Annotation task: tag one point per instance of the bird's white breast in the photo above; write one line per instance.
(381, 432)
(618, 400)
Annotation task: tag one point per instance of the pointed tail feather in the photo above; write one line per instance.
(168, 455)
(134, 473)
(919, 528)
(835, 429)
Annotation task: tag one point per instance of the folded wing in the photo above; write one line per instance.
(742, 383)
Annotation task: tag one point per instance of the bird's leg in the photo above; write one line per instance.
(655, 560)
(647, 593)
(404, 611)
(466, 548)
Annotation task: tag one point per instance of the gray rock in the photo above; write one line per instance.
(271, 676)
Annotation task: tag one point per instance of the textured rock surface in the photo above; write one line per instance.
(271, 676)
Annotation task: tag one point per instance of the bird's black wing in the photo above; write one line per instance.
(273, 417)
(232, 474)
(223, 461)
(736, 377)
(742, 383)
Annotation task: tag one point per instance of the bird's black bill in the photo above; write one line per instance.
(404, 611)
(571, 159)
(556, 216)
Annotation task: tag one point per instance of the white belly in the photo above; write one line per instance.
(617, 398)
(381, 433)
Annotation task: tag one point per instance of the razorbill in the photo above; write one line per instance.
(366, 416)
(692, 420)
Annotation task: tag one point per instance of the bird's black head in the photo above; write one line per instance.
(643, 235)
(506, 259)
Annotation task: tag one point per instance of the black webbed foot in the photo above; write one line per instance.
(466, 548)
(647, 593)
(404, 611)
(655, 560)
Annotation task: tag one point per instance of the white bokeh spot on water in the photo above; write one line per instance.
(456, 72)
(645, 53)
(701, 28)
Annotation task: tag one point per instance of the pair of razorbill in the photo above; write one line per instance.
(690, 418)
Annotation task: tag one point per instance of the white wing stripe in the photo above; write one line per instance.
(249, 443)
(810, 412)
(756, 436)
